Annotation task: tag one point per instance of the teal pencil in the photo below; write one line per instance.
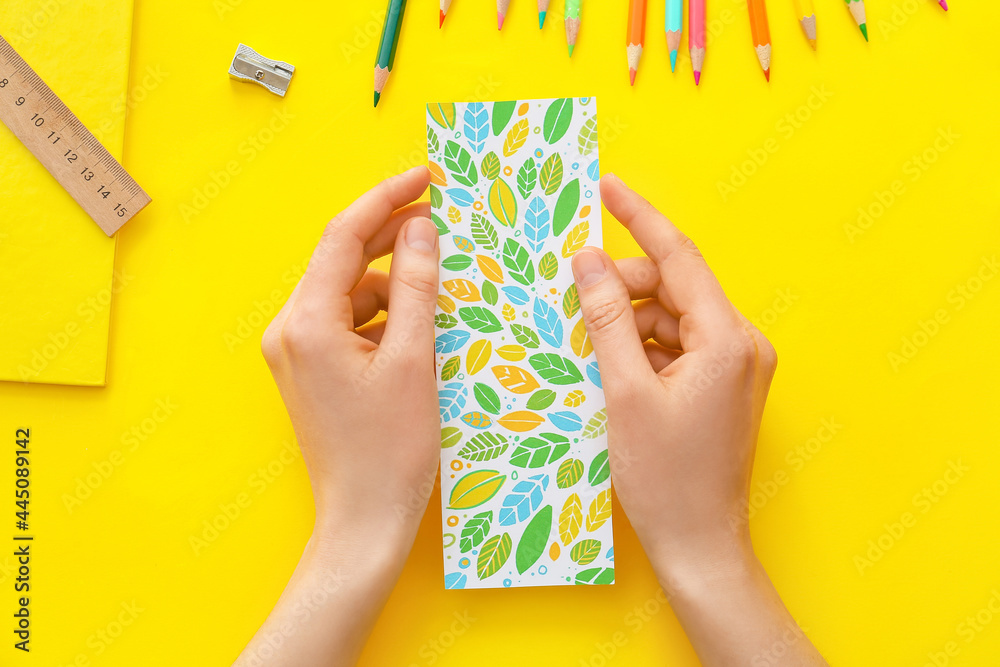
(387, 45)
(674, 27)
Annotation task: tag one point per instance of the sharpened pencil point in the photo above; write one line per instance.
(812, 43)
(441, 21)
(571, 47)
(767, 74)
(697, 77)
(499, 21)
(673, 59)
(377, 96)
(541, 20)
(631, 76)
(864, 30)
(944, 5)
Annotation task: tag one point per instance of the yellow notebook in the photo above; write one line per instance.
(58, 281)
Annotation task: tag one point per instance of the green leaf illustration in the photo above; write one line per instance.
(566, 205)
(541, 399)
(484, 446)
(444, 321)
(587, 141)
(450, 436)
(480, 319)
(493, 555)
(450, 368)
(585, 552)
(457, 262)
(557, 119)
(552, 174)
(557, 370)
(518, 261)
(459, 161)
(440, 224)
(487, 398)
(484, 233)
(534, 539)
(600, 470)
(490, 294)
(571, 302)
(437, 199)
(548, 265)
(475, 531)
(537, 452)
(432, 140)
(524, 335)
(597, 425)
(596, 576)
(502, 111)
(569, 473)
(527, 176)
(490, 166)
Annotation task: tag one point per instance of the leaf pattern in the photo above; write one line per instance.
(548, 266)
(516, 137)
(484, 447)
(451, 368)
(451, 341)
(490, 294)
(552, 173)
(524, 498)
(475, 531)
(541, 399)
(481, 319)
(450, 436)
(585, 552)
(490, 166)
(491, 270)
(534, 539)
(536, 452)
(518, 262)
(527, 176)
(574, 399)
(459, 161)
(437, 199)
(502, 111)
(557, 370)
(569, 473)
(456, 262)
(433, 146)
(511, 352)
(536, 224)
(452, 399)
(587, 140)
(478, 420)
(483, 232)
(550, 327)
(475, 488)
(600, 468)
(478, 356)
(576, 239)
(524, 336)
(599, 511)
(493, 555)
(557, 119)
(571, 301)
(597, 425)
(596, 575)
(437, 174)
(443, 114)
(520, 421)
(462, 289)
(579, 340)
(565, 420)
(517, 296)
(515, 380)
(570, 519)
(503, 204)
(444, 321)
(487, 398)
(566, 205)
(477, 126)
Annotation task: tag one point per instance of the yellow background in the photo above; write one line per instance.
(186, 329)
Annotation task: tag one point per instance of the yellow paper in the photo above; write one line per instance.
(58, 278)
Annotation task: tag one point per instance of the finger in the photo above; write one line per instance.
(641, 277)
(654, 322)
(413, 289)
(339, 258)
(370, 297)
(373, 331)
(659, 356)
(610, 320)
(382, 243)
(689, 285)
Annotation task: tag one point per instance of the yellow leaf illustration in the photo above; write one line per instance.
(585, 211)
(574, 399)
(511, 352)
(509, 313)
(520, 421)
(491, 270)
(475, 489)
(462, 243)
(437, 174)
(502, 203)
(576, 239)
(462, 289)
(516, 137)
(478, 356)
(454, 215)
(445, 303)
(600, 510)
(579, 340)
(554, 551)
(516, 380)
(570, 519)
(443, 114)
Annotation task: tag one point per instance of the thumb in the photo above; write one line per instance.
(610, 320)
(413, 289)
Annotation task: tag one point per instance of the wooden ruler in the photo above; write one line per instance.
(64, 146)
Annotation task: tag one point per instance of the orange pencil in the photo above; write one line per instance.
(636, 36)
(761, 34)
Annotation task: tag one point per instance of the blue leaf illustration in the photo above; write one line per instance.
(536, 223)
(460, 196)
(517, 296)
(566, 421)
(524, 499)
(611, 554)
(550, 327)
(455, 580)
(594, 374)
(477, 125)
(594, 171)
(452, 399)
(450, 341)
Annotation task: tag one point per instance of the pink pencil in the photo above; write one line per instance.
(696, 36)
(502, 6)
(944, 5)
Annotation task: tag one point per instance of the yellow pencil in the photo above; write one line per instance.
(807, 17)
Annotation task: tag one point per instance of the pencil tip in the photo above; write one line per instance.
(499, 21)
(812, 43)
(864, 30)
(631, 76)
(673, 59)
(377, 96)
(944, 5)
(697, 77)
(441, 21)
(571, 47)
(767, 74)
(541, 20)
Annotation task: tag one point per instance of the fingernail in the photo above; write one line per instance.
(421, 234)
(588, 268)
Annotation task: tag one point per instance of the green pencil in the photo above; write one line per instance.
(572, 23)
(387, 45)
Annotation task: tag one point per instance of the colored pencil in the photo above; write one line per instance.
(636, 36)
(761, 34)
(696, 36)
(572, 24)
(502, 7)
(445, 4)
(857, 8)
(543, 9)
(674, 27)
(944, 5)
(807, 19)
(387, 45)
